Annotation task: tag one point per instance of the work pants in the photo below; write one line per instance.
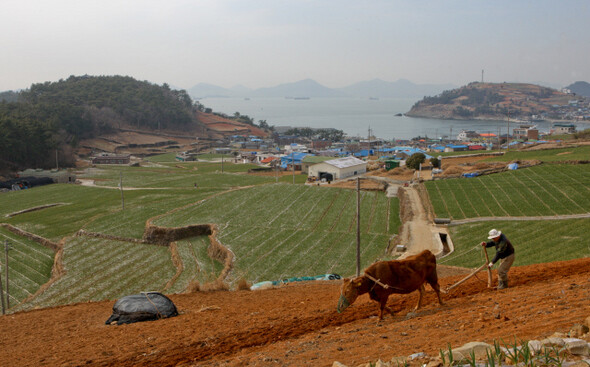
(505, 265)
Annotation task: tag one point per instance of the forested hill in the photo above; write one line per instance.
(54, 116)
(492, 101)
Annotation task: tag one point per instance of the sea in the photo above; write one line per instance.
(357, 117)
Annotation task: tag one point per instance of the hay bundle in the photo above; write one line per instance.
(453, 170)
(483, 165)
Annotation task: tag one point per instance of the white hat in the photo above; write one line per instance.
(494, 233)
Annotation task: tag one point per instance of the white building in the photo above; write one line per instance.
(467, 135)
(338, 168)
(296, 148)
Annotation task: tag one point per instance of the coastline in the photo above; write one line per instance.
(493, 118)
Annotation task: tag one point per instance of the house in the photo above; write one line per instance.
(292, 159)
(321, 144)
(467, 135)
(488, 136)
(456, 148)
(111, 159)
(338, 168)
(563, 129)
(526, 132)
(184, 157)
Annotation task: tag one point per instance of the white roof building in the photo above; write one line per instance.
(338, 168)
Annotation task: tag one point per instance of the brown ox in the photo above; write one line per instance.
(397, 276)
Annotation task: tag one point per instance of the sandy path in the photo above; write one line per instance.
(417, 233)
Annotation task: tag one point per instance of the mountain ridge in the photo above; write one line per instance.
(375, 88)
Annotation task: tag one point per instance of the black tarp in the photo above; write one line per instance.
(142, 307)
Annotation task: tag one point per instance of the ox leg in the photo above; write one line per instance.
(433, 281)
(382, 307)
(421, 289)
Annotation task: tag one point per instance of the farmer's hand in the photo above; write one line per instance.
(483, 244)
(490, 265)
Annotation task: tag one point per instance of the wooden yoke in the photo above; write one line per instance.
(467, 277)
(485, 251)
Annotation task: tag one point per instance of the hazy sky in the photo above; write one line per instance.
(262, 43)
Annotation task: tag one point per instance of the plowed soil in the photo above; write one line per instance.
(297, 324)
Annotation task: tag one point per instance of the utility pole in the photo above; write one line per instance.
(56, 161)
(6, 248)
(2, 294)
(121, 188)
(508, 131)
(293, 165)
(358, 226)
(221, 163)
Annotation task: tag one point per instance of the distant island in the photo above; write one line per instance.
(499, 101)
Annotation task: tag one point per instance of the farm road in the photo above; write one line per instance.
(418, 233)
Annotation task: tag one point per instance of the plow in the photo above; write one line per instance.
(484, 266)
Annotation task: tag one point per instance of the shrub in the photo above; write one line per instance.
(415, 160)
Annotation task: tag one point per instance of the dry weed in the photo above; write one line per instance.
(217, 285)
(453, 170)
(243, 285)
(194, 287)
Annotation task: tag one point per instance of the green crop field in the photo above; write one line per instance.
(535, 241)
(29, 265)
(537, 191)
(98, 269)
(547, 155)
(275, 230)
(280, 231)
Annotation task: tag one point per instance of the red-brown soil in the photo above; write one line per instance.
(297, 324)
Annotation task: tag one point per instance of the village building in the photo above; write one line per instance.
(456, 148)
(488, 136)
(106, 158)
(526, 132)
(467, 135)
(184, 157)
(563, 129)
(320, 144)
(310, 160)
(339, 168)
(57, 176)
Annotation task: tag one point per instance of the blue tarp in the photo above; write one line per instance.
(453, 146)
(513, 166)
(407, 150)
(364, 153)
(472, 174)
(268, 283)
(293, 157)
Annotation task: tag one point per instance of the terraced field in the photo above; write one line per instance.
(275, 231)
(535, 191)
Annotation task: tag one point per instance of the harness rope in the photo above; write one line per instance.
(378, 281)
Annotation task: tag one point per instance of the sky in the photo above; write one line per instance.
(264, 43)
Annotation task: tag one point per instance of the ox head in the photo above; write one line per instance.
(349, 292)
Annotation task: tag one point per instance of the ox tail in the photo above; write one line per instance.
(342, 304)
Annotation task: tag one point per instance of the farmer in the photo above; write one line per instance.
(504, 253)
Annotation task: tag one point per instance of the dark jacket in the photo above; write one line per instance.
(503, 248)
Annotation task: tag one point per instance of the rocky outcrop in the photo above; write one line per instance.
(561, 349)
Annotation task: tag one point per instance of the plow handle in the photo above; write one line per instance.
(485, 251)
